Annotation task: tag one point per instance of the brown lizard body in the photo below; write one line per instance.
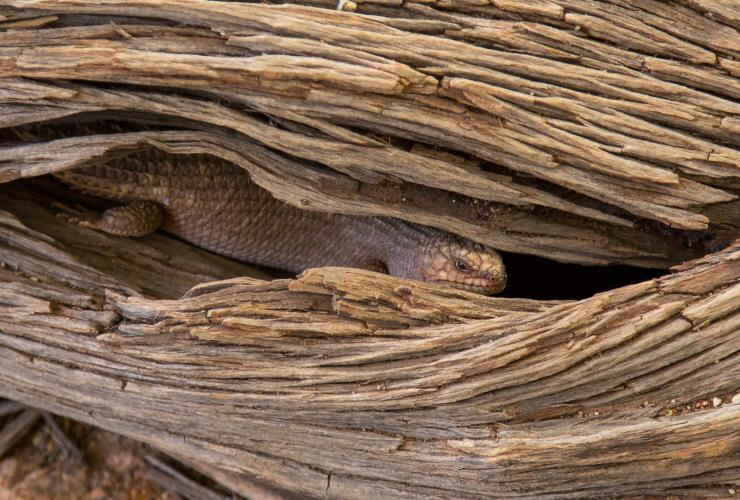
(215, 205)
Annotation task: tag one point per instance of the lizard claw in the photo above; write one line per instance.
(66, 209)
(78, 215)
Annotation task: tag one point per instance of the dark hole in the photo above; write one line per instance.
(543, 279)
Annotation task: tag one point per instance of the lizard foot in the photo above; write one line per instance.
(136, 219)
(77, 215)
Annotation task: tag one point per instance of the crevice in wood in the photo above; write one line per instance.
(354, 384)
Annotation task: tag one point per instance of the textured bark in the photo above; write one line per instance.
(555, 143)
(352, 384)
(581, 131)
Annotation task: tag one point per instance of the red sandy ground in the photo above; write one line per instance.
(113, 470)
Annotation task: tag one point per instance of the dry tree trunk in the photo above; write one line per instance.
(352, 384)
(581, 155)
(581, 131)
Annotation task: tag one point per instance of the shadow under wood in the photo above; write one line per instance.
(542, 279)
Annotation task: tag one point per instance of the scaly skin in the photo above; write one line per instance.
(215, 205)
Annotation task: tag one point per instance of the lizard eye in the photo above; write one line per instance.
(462, 266)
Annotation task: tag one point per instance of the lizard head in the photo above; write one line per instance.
(462, 264)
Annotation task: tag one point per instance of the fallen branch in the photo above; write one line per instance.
(642, 151)
(582, 131)
(358, 384)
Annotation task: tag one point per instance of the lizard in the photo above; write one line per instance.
(215, 205)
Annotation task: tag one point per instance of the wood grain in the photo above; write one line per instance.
(587, 132)
(584, 131)
(352, 384)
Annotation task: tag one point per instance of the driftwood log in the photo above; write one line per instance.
(589, 132)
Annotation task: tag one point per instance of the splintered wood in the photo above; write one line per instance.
(580, 131)
(584, 131)
(353, 384)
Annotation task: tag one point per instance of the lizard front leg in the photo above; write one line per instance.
(135, 219)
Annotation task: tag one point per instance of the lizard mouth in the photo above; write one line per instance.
(480, 285)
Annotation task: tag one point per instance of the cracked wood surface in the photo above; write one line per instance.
(351, 384)
(534, 128)
(583, 131)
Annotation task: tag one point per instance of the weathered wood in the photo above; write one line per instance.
(16, 429)
(584, 131)
(353, 384)
(648, 141)
(67, 446)
(177, 483)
